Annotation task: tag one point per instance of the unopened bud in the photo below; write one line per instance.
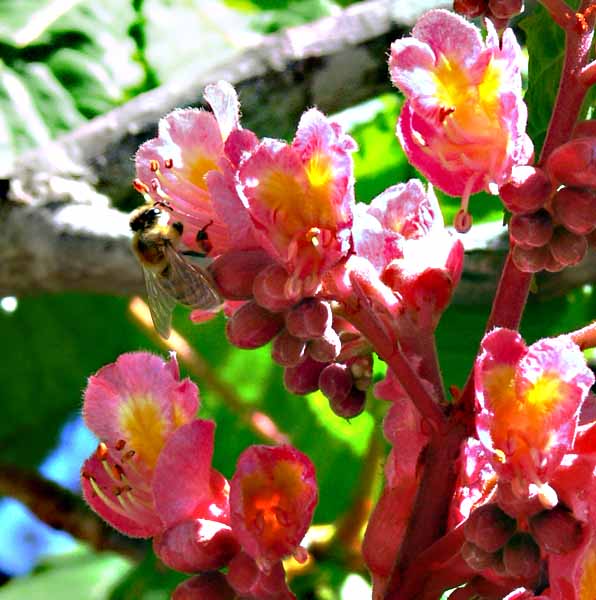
(477, 558)
(527, 190)
(489, 528)
(196, 545)
(575, 209)
(335, 381)
(309, 319)
(470, 8)
(530, 260)
(251, 582)
(303, 378)
(574, 163)
(505, 9)
(568, 248)
(350, 406)
(234, 272)
(521, 557)
(288, 350)
(557, 531)
(269, 289)
(531, 230)
(252, 326)
(325, 348)
(207, 586)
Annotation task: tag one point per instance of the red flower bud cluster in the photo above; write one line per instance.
(554, 210)
(498, 11)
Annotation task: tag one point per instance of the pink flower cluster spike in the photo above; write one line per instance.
(151, 476)
(489, 492)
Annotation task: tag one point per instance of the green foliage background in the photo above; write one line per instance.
(58, 69)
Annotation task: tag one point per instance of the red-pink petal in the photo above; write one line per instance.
(273, 495)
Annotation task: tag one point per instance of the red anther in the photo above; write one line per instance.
(102, 451)
(444, 112)
(154, 165)
(128, 455)
(117, 471)
(168, 163)
(120, 444)
(154, 184)
(140, 187)
(462, 221)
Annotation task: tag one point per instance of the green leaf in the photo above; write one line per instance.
(71, 577)
(545, 42)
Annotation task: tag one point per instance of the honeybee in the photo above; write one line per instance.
(169, 277)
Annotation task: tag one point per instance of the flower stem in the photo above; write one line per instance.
(572, 90)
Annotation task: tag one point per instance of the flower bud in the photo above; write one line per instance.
(350, 406)
(531, 230)
(568, 248)
(361, 368)
(530, 260)
(575, 209)
(574, 163)
(557, 531)
(269, 289)
(207, 586)
(252, 326)
(521, 557)
(489, 528)
(253, 584)
(288, 350)
(505, 9)
(309, 319)
(325, 348)
(477, 558)
(470, 8)
(527, 190)
(234, 272)
(335, 381)
(196, 545)
(515, 506)
(304, 377)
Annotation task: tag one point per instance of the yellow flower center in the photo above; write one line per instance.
(144, 427)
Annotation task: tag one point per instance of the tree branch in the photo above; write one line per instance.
(60, 232)
(63, 510)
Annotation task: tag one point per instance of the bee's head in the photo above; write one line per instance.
(144, 218)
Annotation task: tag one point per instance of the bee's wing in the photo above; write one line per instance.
(161, 303)
(190, 285)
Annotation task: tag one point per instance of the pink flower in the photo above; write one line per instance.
(300, 198)
(152, 470)
(402, 234)
(463, 124)
(529, 400)
(173, 169)
(272, 498)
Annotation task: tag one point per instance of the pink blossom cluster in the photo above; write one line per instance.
(508, 464)
(152, 476)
